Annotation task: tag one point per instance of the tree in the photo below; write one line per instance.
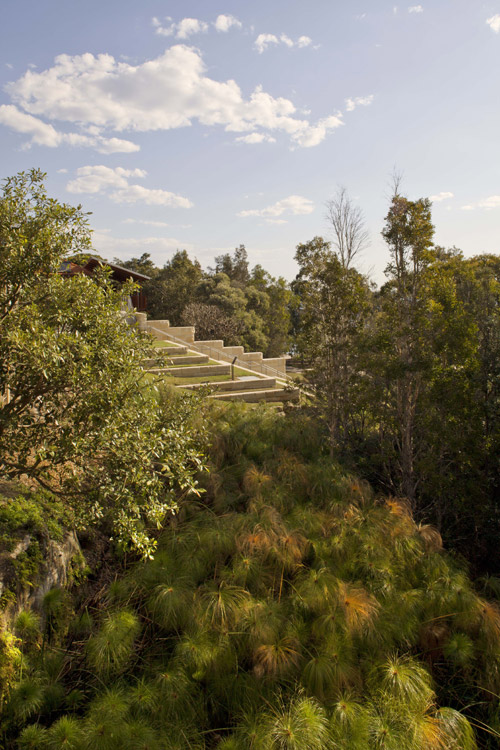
(236, 267)
(173, 287)
(78, 416)
(348, 225)
(210, 321)
(231, 299)
(408, 232)
(274, 302)
(334, 303)
(144, 265)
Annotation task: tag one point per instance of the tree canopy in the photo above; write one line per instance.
(77, 414)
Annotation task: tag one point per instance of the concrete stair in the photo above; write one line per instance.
(188, 358)
(174, 351)
(275, 394)
(237, 385)
(192, 371)
(165, 352)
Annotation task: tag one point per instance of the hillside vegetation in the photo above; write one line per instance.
(254, 578)
(287, 609)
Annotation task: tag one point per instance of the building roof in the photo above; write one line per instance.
(119, 273)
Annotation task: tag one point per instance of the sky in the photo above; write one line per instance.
(202, 125)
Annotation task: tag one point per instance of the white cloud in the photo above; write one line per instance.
(493, 201)
(62, 171)
(224, 23)
(276, 221)
(256, 138)
(159, 247)
(189, 26)
(99, 179)
(441, 197)
(304, 41)
(294, 205)
(182, 30)
(146, 222)
(358, 101)
(415, 9)
(115, 146)
(44, 134)
(41, 133)
(494, 23)
(314, 134)
(140, 194)
(264, 41)
(169, 91)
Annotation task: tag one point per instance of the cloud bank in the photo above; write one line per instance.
(99, 94)
(189, 26)
(294, 205)
(493, 201)
(102, 179)
(44, 134)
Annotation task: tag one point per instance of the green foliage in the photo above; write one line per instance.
(27, 625)
(78, 415)
(111, 648)
(66, 732)
(287, 610)
(33, 737)
(22, 570)
(10, 660)
(173, 287)
(406, 379)
(39, 513)
(334, 308)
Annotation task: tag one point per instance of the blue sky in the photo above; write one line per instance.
(201, 124)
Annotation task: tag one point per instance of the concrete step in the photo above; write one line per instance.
(277, 394)
(233, 351)
(193, 372)
(173, 350)
(252, 384)
(163, 354)
(190, 359)
(210, 343)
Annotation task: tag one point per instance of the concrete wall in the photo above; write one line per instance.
(252, 360)
(238, 385)
(210, 344)
(251, 357)
(197, 371)
(159, 325)
(185, 333)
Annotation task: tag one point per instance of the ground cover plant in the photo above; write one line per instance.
(287, 608)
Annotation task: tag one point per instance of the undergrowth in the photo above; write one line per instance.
(286, 609)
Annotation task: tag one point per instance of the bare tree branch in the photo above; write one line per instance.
(347, 222)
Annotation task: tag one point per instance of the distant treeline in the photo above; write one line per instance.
(231, 302)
